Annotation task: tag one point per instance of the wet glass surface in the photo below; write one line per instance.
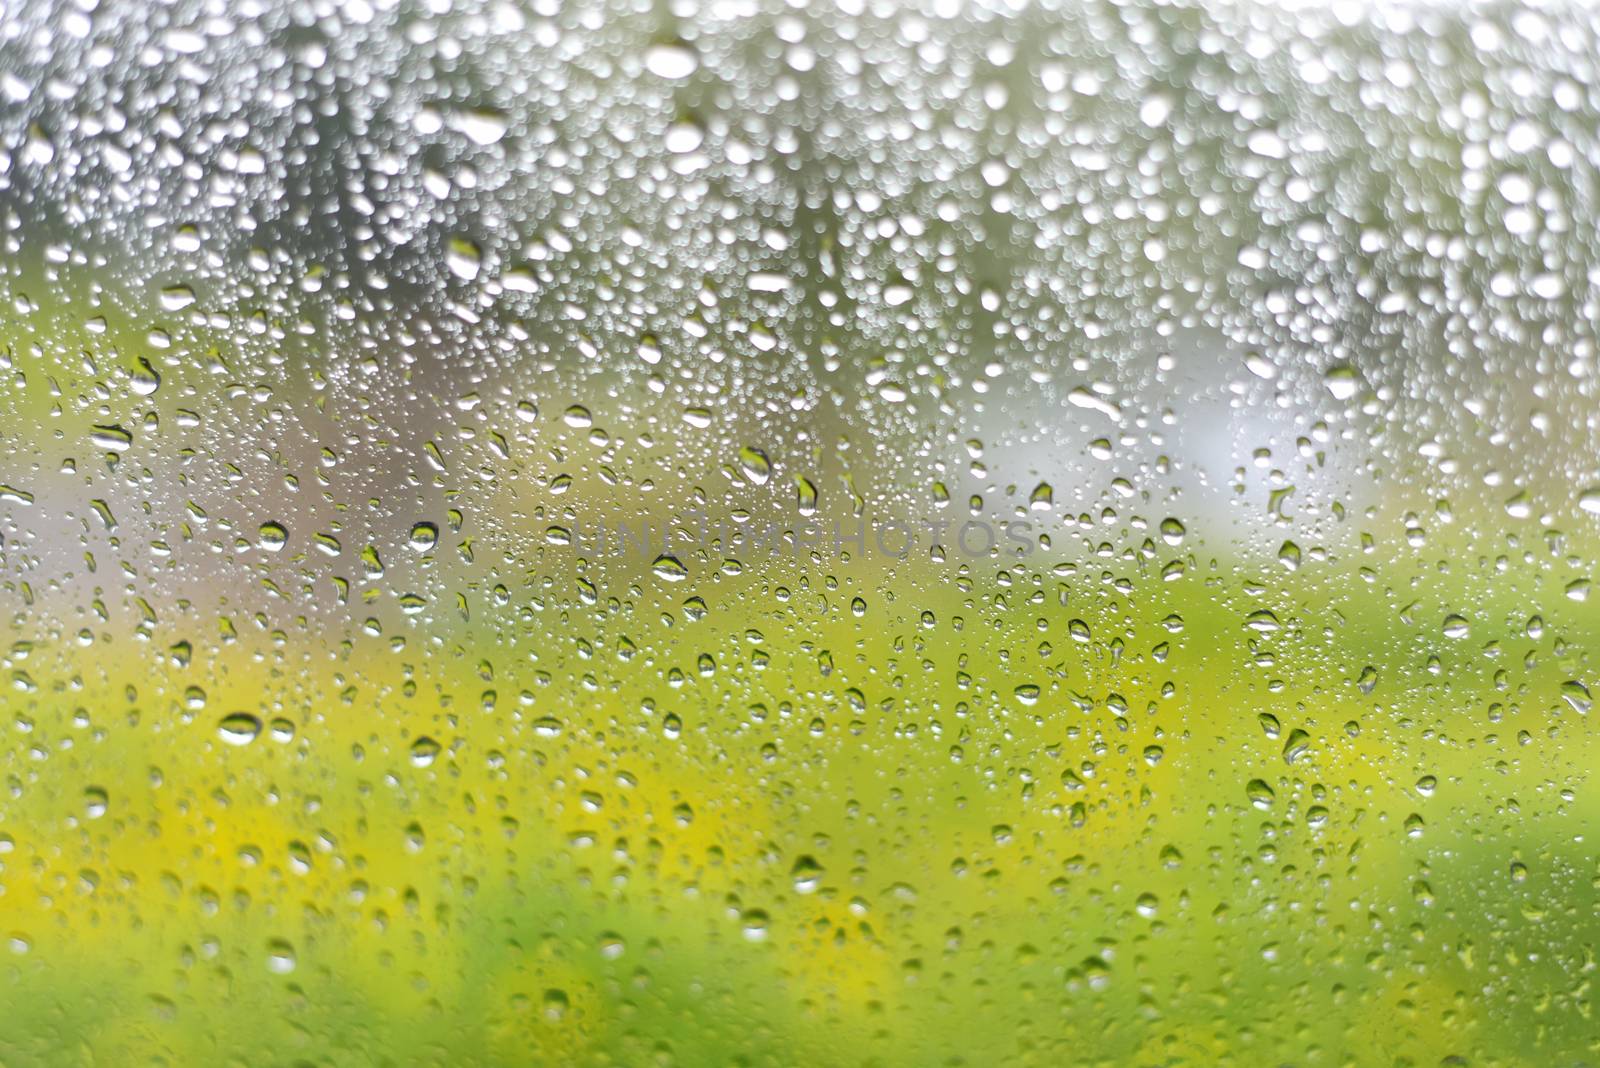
(763, 534)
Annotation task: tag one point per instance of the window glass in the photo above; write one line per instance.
(757, 534)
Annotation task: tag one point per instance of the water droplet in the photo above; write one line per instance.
(176, 298)
(424, 751)
(1296, 745)
(95, 802)
(482, 126)
(146, 380)
(272, 536)
(671, 60)
(1260, 366)
(755, 465)
(806, 496)
(1342, 381)
(280, 957)
(754, 924)
(807, 875)
(1262, 621)
(464, 258)
(112, 438)
(669, 568)
(239, 728)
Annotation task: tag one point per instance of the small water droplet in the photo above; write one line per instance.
(424, 751)
(273, 536)
(671, 60)
(239, 728)
(669, 568)
(755, 465)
